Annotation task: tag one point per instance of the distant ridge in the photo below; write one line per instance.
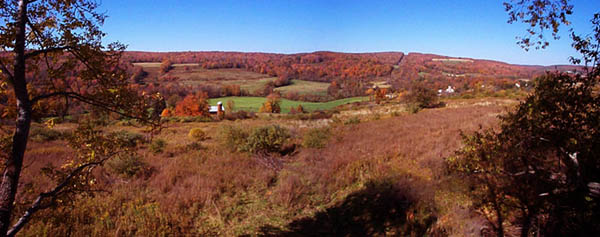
(397, 68)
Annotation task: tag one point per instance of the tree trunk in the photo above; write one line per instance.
(13, 165)
(500, 219)
(526, 224)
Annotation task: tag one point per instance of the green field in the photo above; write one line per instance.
(254, 103)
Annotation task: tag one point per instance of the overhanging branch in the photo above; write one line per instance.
(6, 71)
(90, 101)
(37, 204)
(45, 51)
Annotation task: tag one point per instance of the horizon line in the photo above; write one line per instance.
(364, 52)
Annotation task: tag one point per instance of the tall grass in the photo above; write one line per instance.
(394, 163)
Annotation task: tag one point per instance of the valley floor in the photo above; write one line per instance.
(381, 174)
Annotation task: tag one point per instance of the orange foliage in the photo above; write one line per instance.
(166, 66)
(166, 113)
(193, 105)
(380, 95)
(272, 104)
(232, 90)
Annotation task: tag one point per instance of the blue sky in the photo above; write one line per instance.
(461, 28)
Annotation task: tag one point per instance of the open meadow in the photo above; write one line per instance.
(254, 103)
(377, 175)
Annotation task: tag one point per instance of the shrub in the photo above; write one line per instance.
(422, 97)
(413, 108)
(127, 166)
(42, 134)
(319, 114)
(239, 115)
(282, 81)
(272, 104)
(128, 139)
(138, 75)
(166, 66)
(197, 134)
(316, 138)
(234, 138)
(173, 100)
(353, 120)
(267, 139)
(158, 146)
(292, 110)
(230, 106)
(194, 119)
(194, 146)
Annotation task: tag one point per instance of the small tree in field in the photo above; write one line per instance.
(300, 109)
(420, 97)
(230, 106)
(56, 57)
(166, 66)
(138, 75)
(272, 104)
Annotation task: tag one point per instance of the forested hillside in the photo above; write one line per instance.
(349, 74)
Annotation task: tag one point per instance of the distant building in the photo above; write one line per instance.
(217, 109)
(449, 90)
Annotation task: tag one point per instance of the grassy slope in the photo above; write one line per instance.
(254, 103)
(212, 191)
(305, 87)
(195, 76)
(250, 81)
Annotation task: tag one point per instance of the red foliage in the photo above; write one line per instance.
(318, 66)
(166, 66)
(350, 74)
(193, 105)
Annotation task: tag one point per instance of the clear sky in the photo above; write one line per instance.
(460, 28)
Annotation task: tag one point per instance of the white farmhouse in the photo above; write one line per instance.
(216, 109)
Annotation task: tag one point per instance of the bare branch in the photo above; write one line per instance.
(37, 204)
(6, 71)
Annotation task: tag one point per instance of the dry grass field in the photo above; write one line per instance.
(305, 87)
(193, 75)
(375, 176)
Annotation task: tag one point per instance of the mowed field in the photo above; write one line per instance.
(305, 87)
(254, 103)
(193, 75)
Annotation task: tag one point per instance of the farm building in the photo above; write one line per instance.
(217, 109)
